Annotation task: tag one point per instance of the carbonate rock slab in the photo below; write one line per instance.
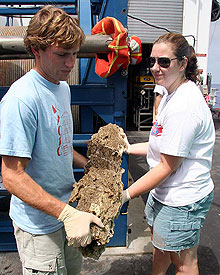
(99, 191)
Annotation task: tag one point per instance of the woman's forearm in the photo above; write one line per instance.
(155, 176)
(139, 149)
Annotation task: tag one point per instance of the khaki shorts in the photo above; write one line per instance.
(47, 254)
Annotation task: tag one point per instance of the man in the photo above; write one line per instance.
(36, 149)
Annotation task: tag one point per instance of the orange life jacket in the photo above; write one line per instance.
(134, 44)
(120, 55)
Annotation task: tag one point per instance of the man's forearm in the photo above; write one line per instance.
(79, 160)
(26, 189)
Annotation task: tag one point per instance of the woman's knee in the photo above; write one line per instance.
(185, 261)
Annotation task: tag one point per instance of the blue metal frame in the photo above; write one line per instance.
(107, 97)
(114, 109)
(107, 100)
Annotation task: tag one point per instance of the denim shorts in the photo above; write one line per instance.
(47, 254)
(176, 228)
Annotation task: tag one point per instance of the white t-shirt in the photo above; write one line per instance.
(160, 90)
(184, 128)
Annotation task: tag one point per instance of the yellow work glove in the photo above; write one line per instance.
(77, 225)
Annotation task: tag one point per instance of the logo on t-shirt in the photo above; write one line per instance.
(64, 133)
(156, 129)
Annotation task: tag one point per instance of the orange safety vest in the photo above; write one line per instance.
(120, 55)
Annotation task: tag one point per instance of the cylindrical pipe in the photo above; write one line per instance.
(96, 44)
(14, 45)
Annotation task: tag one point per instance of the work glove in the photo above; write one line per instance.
(77, 225)
(123, 135)
(125, 196)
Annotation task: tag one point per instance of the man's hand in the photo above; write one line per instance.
(125, 197)
(77, 225)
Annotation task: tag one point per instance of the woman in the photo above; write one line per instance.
(179, 153)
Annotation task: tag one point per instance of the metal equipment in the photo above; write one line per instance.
(143, 115)
(12, 47)
(100, 101)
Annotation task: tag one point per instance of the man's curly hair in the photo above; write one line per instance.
(53, 26)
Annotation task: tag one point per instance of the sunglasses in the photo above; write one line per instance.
(164, 62)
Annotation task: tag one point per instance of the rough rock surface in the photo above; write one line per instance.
(99, 191)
